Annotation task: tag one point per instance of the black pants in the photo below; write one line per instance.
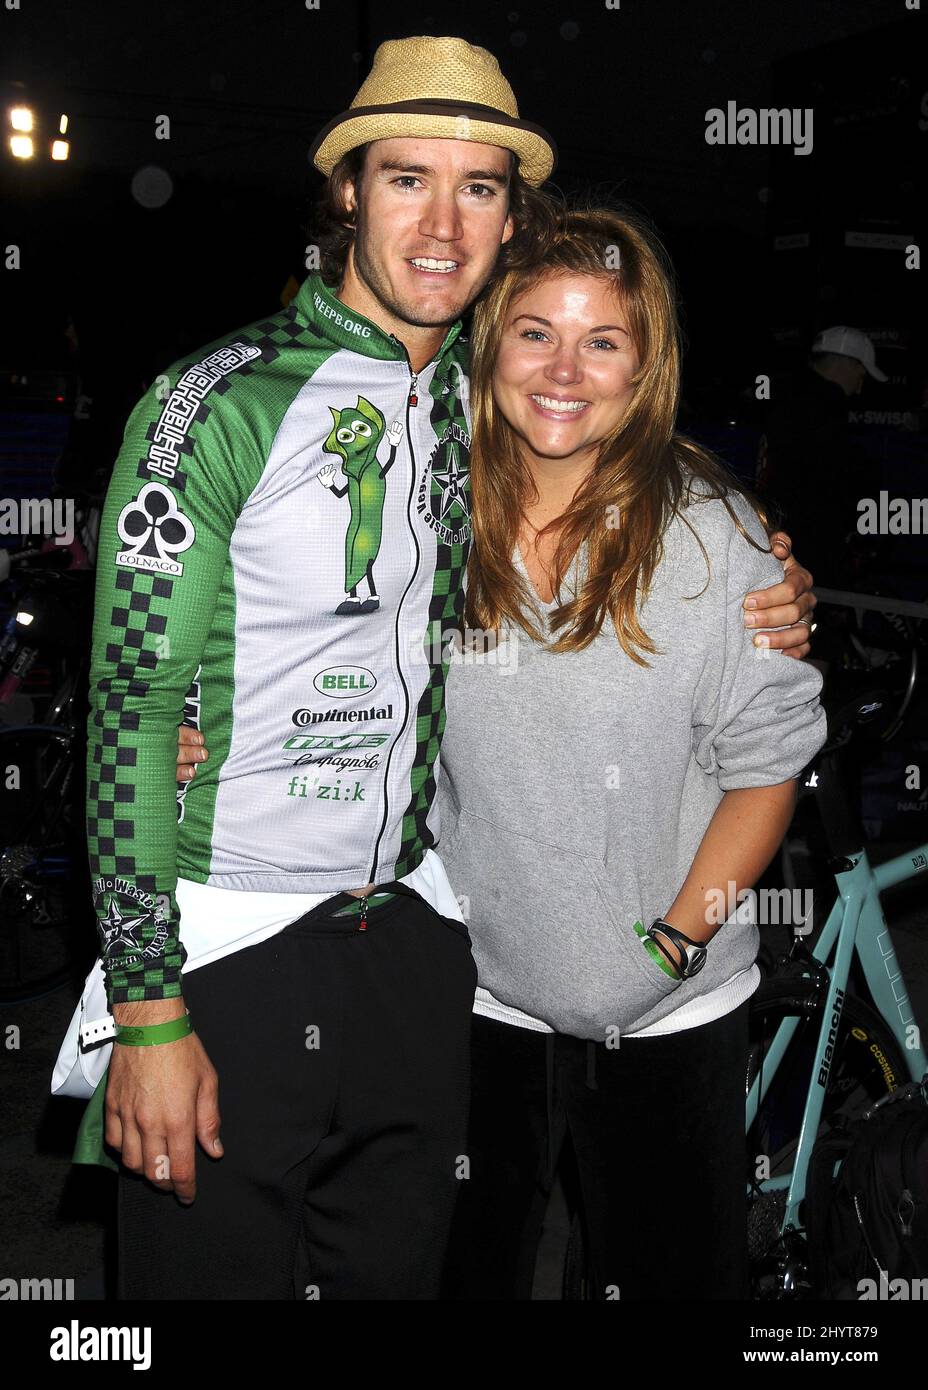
(657, 1131)
(343, 1060)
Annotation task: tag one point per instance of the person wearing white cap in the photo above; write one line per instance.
(807, 464)
(846, 355)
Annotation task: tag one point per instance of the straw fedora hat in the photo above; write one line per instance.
(440, 88)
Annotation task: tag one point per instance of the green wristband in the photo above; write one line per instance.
(655, 952)
(153, 1033)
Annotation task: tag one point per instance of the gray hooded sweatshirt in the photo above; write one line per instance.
(575, 788)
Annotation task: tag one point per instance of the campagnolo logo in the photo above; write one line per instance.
(344, 682)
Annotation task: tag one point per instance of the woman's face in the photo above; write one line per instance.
(564, 367)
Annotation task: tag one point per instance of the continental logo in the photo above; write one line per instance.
(344, 682)
(304, 718)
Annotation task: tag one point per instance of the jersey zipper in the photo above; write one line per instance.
(412, 400)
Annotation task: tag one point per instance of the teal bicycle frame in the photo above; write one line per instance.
(856, 922)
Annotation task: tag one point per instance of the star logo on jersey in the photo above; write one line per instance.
(155, 531)
(443, 499)
(451, 487)
(119, 930)
(132, 933)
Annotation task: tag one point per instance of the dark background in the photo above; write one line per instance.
(757, 233)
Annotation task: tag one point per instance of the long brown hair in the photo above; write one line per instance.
(644, 469)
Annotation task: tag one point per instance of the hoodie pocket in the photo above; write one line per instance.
(546, 936)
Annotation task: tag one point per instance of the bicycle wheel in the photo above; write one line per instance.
(46, 922)
(867, 1065)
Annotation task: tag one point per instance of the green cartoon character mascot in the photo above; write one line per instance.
(355, 436)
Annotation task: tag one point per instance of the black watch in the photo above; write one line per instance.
(694, 952)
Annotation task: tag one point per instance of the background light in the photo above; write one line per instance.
(63, 126)
(21, 118)
(60, 149)
(21, 146)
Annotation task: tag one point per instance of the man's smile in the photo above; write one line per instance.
(431, 265)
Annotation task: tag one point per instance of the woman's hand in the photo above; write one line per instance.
(791, 602)
(655, 952)
(191, 749)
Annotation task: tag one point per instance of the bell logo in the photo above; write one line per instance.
(343, 682)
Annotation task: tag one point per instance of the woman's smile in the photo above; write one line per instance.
(559, 408)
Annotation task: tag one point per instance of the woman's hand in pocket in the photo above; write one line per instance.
(655, 952)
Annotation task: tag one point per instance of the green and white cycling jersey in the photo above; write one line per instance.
(281, 558)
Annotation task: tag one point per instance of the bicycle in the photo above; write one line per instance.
(820, 1053)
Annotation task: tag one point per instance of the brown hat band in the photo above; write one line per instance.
(434, 106)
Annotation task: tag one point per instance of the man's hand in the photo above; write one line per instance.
(191, 749)
(784, 604)
(160, 1100)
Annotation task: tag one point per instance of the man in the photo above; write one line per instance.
(229, 597)
(808, 466)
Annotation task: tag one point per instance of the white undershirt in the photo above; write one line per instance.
(215, 922)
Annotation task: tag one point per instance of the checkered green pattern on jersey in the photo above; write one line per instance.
(137, 623)
(279, 331)
(445, 611)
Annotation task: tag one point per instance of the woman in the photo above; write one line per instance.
(624, 754)
(618, 752)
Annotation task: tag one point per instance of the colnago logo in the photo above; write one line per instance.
(303, 718)
(168, 443)
(829, 1053)
(342, 682)
(155, 531)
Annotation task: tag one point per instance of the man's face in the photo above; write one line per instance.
(433, 216)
